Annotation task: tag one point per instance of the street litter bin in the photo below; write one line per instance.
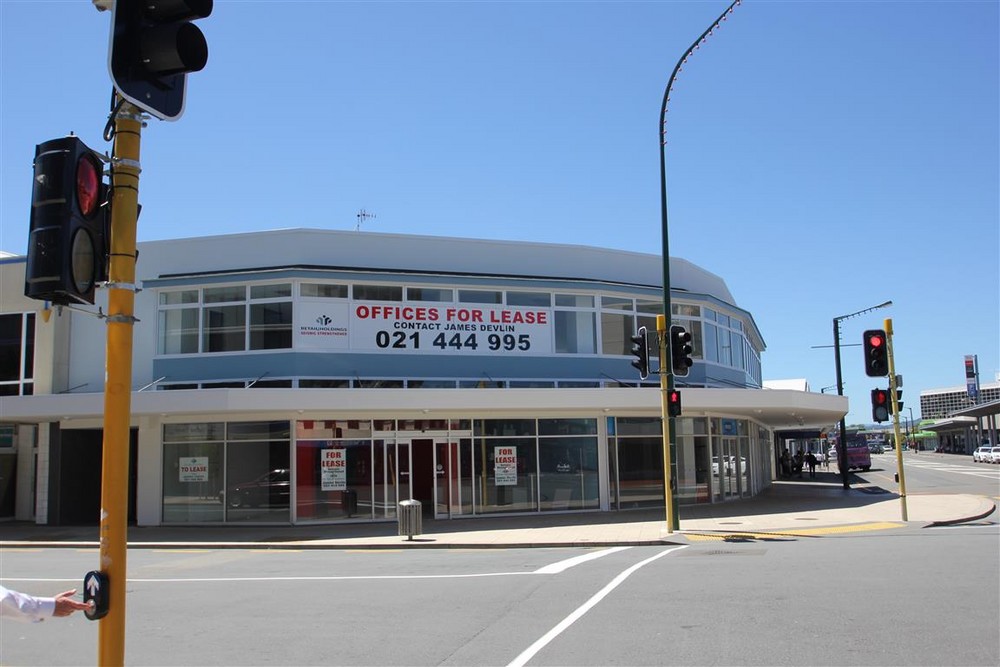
(410, 518)
(350, 502)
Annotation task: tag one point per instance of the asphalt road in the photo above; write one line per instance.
(930, 472)
(914, 596)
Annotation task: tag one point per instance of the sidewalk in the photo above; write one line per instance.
(798, 507)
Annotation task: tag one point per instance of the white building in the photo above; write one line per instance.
(309, 375)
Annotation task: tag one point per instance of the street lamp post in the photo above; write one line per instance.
(913, 432)
(668, 386)
(842, 442)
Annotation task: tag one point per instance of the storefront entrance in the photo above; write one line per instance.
(437, 471)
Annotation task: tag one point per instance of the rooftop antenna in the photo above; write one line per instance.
(362, 216)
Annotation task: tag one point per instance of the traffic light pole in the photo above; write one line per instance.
(895, 418)
(118, 382)
(666, 421)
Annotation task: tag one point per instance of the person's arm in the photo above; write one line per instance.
(24, 607)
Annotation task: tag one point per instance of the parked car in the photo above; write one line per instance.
(994, 455)
(272, 489)
(982, 455)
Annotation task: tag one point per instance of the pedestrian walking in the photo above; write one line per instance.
(811, 462)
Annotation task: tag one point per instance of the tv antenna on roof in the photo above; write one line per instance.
(362, 216)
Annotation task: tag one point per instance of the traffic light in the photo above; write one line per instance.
(153, 47)
(680, 350)
(876, 353)
(880, 405)
(899, 402)
(67, 238)
(674, 403)
(640, 350)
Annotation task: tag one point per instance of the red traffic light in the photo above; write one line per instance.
(876, 353)
(88, 185)
(674, 403)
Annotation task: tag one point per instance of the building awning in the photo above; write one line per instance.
(777, 409)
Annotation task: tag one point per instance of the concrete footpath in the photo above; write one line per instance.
(799, 507)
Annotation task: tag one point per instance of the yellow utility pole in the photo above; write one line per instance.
(895, 417)
(118, 382)
(661, 334)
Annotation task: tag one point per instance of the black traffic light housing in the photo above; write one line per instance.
(680, 350)
(153, 47)
(876, 353)
(674, 403)
(640, 350)
(880, 405)
(68, 233)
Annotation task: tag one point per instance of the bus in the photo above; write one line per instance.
(858, 454)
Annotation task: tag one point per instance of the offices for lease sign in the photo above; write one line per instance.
(426, 329)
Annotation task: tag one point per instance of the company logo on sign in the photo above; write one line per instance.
(323, 320)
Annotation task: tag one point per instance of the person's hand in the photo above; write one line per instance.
(66, 605)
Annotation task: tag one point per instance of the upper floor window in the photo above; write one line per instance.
(17, 354)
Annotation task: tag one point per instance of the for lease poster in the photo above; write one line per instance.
(505, 466)
(193, 468)
(333, 469)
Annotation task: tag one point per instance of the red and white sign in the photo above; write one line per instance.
(425, 329)
(193, 468)
(333, 469)
(505, 466)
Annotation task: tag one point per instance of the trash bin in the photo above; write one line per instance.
(410, 518)
(350, 502)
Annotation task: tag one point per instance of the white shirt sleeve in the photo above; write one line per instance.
(23, 607)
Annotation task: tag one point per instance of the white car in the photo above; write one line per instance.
(994, 455)
(982, 455)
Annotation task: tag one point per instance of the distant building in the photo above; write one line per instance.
(942, 403)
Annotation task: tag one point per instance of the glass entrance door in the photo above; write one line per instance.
(453, 478)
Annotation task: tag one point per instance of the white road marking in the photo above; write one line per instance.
(530, 652)
(554, 568)
(563, 565)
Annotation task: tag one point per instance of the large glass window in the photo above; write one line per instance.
(568, 474)
(17, 354)
(270, 325)
(225, 328)
(226, 472)
(179, 331)
(576, 332)
(616, 330)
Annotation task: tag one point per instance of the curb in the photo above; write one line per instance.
(953, 522)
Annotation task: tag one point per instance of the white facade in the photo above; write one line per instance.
(292, 350)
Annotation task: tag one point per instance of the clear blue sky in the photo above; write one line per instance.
(822, 157)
